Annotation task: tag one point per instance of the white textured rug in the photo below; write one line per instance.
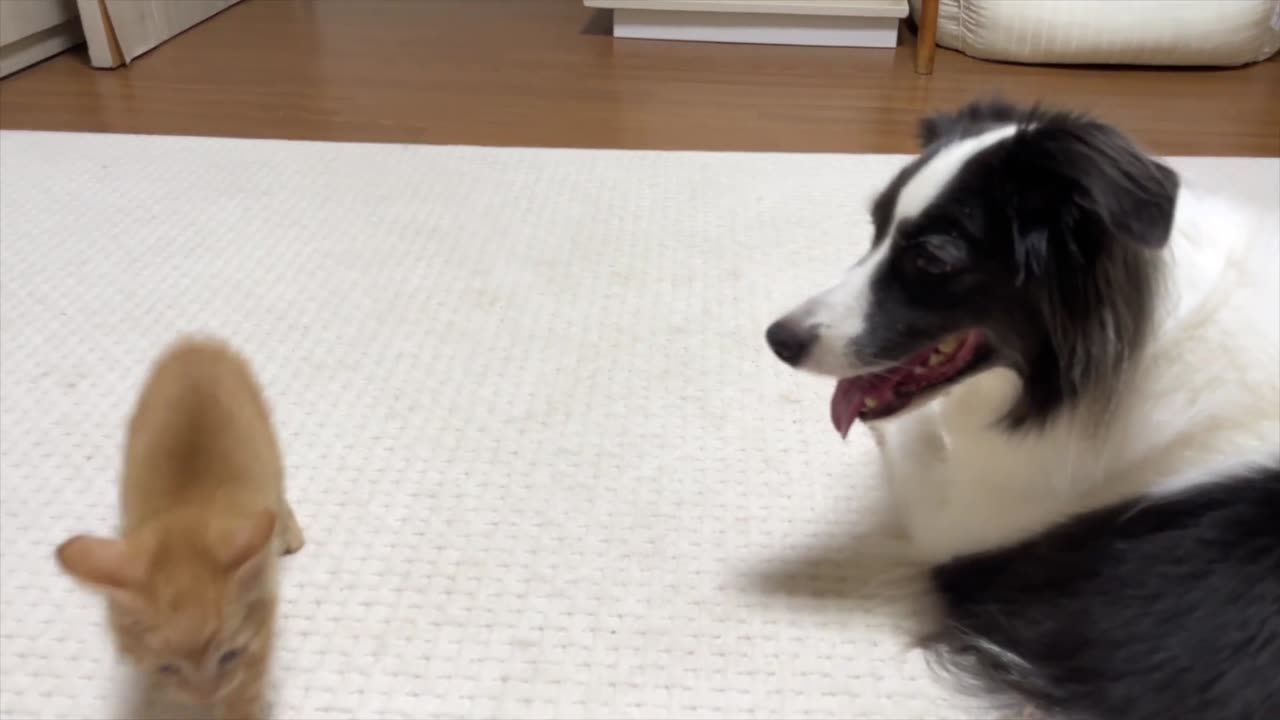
(545, 463)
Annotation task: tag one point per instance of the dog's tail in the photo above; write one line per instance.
(1150, 610)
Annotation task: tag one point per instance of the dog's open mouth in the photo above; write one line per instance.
(886, 392)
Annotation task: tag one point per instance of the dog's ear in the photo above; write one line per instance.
(1079, 189)
(1086, 207)
(935, 127)
(970, 119)
(1089, 183)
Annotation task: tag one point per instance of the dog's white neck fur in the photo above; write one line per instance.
(1203, 396)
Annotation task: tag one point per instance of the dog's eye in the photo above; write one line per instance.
(229, 657)
(937, 255)
(929, 263)
(169, 669)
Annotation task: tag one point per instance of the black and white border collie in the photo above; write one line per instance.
(1070, 362)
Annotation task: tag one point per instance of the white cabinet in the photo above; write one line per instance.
(117, 31)
(32, 30)
(840, 23)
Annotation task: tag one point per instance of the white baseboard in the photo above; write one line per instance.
(761, 28)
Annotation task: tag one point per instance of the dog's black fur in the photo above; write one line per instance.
(1150, 610)
(1048, 240)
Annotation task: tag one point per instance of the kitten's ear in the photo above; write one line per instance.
(107, 564)
(248, 540)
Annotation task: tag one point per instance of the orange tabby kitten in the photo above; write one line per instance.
(191, 586)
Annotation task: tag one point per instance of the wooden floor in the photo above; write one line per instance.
(546, 73)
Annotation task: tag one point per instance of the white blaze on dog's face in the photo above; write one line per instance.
(837, 316)
(963, 270)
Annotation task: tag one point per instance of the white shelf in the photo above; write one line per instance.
(848, 8)
(832, 23)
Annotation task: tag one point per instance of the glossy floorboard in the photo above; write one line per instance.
(547, 73)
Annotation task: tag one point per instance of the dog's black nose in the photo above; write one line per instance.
(790, 341)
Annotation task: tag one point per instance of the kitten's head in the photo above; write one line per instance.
(190, 600)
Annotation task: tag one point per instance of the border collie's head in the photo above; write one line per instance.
(1021, 238)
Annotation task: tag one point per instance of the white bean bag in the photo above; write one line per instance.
(1119, 32)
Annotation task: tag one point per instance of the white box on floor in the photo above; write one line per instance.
(839, 23)
(118, 31)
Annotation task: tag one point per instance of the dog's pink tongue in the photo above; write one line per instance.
(846, 403)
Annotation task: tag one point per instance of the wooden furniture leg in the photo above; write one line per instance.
(926, 36)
